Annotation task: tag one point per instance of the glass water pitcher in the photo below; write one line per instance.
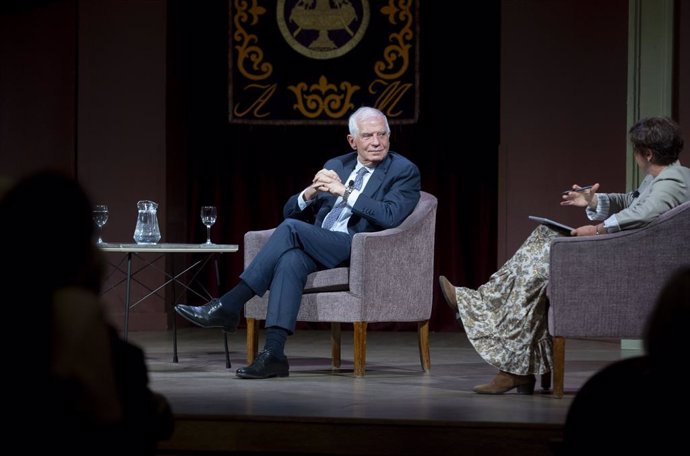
(147, 231)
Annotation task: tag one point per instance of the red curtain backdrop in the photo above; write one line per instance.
(249, 171)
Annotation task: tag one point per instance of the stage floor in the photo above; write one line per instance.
(394, 390)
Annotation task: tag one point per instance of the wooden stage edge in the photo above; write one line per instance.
(243, 435)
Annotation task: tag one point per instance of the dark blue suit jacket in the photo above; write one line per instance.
(390, 195)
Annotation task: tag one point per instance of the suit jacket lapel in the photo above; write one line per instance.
(374, 182)
(347, 170)
(377, 177)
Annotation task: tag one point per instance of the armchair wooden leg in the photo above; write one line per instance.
(252, 339)
(360, 343)
(335, 344)
(423, 339)
(558, 365)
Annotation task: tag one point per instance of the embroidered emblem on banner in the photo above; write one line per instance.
(316, 61)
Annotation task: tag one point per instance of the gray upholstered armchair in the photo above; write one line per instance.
(606, 286)
(390, 279)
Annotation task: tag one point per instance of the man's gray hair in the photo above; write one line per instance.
(364, 113)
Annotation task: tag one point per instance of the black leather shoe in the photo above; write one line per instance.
(266, 365)
(211, 315)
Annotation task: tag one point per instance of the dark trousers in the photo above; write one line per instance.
(294, 250)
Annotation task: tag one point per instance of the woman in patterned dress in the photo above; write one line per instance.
(505, 319)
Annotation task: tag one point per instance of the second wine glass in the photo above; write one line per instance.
(208, 218)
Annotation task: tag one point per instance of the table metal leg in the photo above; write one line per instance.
(228, 364)
(127, 294)
(174, 318)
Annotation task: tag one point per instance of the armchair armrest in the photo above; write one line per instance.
(393, 271)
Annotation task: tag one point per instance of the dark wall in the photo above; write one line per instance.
(37, 86)
(83, 90)
(563, 109)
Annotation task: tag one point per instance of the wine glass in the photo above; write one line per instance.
(208, 218)
(100, 216)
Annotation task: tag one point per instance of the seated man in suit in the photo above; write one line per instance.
(370, 189)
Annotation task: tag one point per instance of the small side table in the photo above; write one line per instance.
(130, 250)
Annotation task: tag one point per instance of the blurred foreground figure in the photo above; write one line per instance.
(633, 406)
(75, 386)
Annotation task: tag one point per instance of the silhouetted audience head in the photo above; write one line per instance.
(632, 406)
(47, 227)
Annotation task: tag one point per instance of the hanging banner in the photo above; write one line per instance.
(316, 61)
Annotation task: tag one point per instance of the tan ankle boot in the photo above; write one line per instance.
(449, 295)
(506, 381)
